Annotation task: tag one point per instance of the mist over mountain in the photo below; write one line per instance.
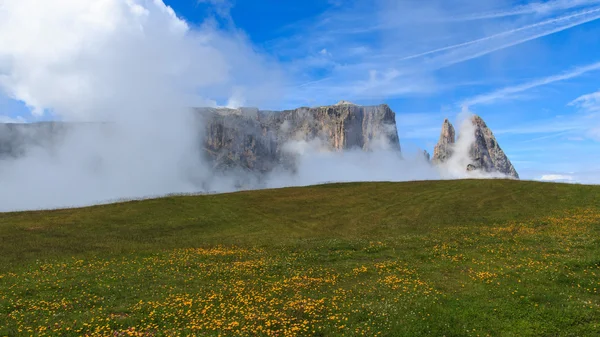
(479, 151)
(232, 149)
(118, 79)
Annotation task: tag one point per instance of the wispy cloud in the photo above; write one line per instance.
(8, 119)
(539, 8)
(589, 104)
(396, 49)
(508, 92)
(486, 45)
(513, 37)
(581, 177)
(578, 126)
(541, 127)
(556, 177)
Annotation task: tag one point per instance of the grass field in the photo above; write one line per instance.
(436, 258)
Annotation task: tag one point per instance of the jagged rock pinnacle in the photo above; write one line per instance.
(485, 152)
(443, 149)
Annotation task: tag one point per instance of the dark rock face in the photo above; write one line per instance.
(236, 139)
(17, 139)
(255, 140)
(443, 149)
(486, 153)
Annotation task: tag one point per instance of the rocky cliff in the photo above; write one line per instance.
(443, 148)
(247, 138)
(258, 140)
(484, 152)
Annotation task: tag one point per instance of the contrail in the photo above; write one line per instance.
(595, 11)
(533, 8)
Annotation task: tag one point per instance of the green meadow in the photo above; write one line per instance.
(433, 258)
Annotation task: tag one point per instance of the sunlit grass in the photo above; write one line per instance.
(306, 273)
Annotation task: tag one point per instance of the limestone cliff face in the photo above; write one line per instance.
(443, 149)
(234, 138)
(486, 153)
(247, 138)
(256, 140)
(259, 141)
(483, 152)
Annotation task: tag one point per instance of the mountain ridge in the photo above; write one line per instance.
(261, 141)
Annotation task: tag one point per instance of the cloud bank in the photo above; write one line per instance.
(133, 65)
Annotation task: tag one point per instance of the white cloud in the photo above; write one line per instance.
(590, 177)
(589, 102)
(589, 105)
(132, 63)
(556, 177)
(221, 7)
(72, 56)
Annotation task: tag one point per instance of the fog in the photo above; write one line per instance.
(131, 64)
(137, 68)
(316, 165)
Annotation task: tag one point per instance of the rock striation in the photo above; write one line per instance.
(483, 153)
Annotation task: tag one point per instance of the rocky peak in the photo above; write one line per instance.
(443, 149)
(485, 152)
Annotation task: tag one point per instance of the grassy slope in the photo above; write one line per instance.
(445, 234)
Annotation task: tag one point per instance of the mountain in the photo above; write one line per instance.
(487, 153)
(443, 149)
(257, 140)
(484, 152)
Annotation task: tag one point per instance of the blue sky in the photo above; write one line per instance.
(530, 69)
(518, 64)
